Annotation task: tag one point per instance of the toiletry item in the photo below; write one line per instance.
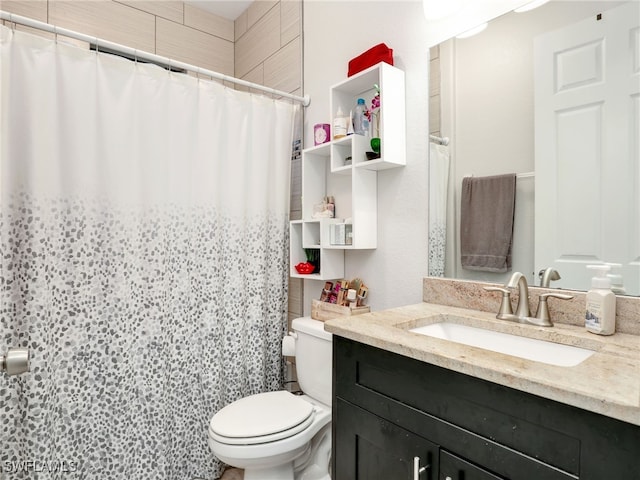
(331, 206)
(600, 314)
(326, 291)
(350, 123)
(321, 133)
(360, 121)
(352, 297)
(617, 283)
(333, 296)
(340, 291)
(363, 292)
(326, 209)
(348, 233)
(355, 284)
(340, 124)
(342, 296)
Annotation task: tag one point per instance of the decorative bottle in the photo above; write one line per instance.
(360, 121)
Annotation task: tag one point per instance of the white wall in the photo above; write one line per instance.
(333, 33)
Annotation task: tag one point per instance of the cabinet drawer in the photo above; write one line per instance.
(455, 468)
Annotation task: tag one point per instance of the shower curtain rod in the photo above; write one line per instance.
(142, 55)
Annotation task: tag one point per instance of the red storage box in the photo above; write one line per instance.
(377, 54)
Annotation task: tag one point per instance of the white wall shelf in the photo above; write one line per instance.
(352, 184)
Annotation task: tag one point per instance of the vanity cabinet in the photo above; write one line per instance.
(390, 409)
(340, 168)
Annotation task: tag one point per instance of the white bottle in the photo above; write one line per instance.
(360, 121)
(600, 314)
(350, 124)
(340, 122)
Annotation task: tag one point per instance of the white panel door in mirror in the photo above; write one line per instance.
(587, 204)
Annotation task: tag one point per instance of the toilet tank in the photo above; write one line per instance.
(313, 358)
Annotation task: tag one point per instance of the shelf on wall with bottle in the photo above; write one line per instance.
(388, 122)
(342, 169)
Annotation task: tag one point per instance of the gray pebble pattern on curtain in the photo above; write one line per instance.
(138, 335)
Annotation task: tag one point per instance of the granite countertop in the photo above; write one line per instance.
(608, 382)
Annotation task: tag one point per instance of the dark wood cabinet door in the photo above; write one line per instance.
(371, 448)
(453, 467)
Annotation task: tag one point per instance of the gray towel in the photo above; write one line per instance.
(486, 222)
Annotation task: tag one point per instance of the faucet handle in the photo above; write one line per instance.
(505, 305)
(548, 274)
(543, 308)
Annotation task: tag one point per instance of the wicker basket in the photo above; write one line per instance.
(326, 311)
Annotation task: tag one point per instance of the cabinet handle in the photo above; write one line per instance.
(417, 469)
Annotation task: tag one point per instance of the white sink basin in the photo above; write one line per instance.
(517, 346)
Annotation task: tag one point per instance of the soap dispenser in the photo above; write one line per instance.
(617, 284)
(600, 314)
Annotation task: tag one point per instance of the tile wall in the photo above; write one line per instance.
(434, 91)
(268, 46)
(168, 28)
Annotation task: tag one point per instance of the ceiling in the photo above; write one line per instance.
(230, 9)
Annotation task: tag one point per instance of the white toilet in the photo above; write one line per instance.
(279, 435)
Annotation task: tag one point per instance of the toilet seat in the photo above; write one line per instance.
(261, 418)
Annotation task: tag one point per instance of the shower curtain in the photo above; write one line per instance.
(438, 193)
(143, 228)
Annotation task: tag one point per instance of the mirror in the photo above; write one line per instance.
(482, 99)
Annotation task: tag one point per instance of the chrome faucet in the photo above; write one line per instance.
(547, 275)
(518, 278)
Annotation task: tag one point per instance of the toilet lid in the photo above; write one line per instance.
(262, 415)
